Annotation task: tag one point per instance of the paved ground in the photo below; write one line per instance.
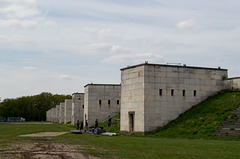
(43, 134)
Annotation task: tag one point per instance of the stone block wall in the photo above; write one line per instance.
(77, 107)
(232, 83)
(54, 116)
(100, 100)
(67, 111)
(61, 112)
(152, 95)
(48, 115)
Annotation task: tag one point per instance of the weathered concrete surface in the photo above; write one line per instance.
(152, 95)
(67, 110)
(77, 107)
(61, 112)
(100, 100)
(232, 83)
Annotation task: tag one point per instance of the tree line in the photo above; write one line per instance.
(32, 108)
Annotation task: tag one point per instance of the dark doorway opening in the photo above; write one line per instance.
(131, 121)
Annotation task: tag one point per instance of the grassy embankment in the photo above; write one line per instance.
(202, 119)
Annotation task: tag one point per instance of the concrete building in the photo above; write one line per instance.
(57, 113)
(77, 107)
(61, 112)
(54, 116)
(232, 83)
(67, 111)
(48, 115)
(152, 95)
(101, 101)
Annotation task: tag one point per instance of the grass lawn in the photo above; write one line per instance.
(123, 146)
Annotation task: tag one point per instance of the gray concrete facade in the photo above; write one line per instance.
(61, 112)
(100, 101)
(152, 95)
(77, 107)
(232, 83)
(54, 116)
(57, 113)
(67, 111)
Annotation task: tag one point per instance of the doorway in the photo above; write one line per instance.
(131, 121)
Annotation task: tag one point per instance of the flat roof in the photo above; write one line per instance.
(169, 65)
(233, 78)
(102, 85)
(77, 93)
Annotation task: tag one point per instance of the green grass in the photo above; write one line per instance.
(202, 119)
(187, 137)
(115, 128)
(124, 146)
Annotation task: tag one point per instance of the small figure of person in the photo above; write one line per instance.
(96, 123)
(81, 125)
(86, 125)
(109, 121)
(77, 124)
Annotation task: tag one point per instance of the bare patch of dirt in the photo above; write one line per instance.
(40, 151)
(43, 134)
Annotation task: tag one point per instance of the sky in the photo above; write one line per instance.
(59, 46)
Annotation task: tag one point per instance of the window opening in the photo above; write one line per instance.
(194, 93)
(172, 92)
(160, 92)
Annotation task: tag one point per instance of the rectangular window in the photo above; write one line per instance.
(100, 102)
(172, 92)
(82, 106)
(183, 93)
(117, 102)
(108, 101)
(194, 93)
(160, 92)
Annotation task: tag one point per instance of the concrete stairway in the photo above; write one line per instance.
(231, 126)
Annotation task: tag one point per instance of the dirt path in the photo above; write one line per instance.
(42, 151)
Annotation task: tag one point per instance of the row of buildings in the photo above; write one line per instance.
(149, 97)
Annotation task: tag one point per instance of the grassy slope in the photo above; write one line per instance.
(114, 128)
(203, 118)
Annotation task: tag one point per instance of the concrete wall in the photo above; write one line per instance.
(57, 113)
(48, 115)
(93, 94)
(232, 83)
(54, 116)
(142, 84)
(67, 111)
(77, 107)
(61, 112)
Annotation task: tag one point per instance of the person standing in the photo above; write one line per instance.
(81, 125)
(77, 124)
(109, 121)
(96, 123)
(86, 125)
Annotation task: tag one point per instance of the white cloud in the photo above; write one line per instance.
(133, 58)
(108, 32)
(188, 24)
(29, 68)
(19, 11)
(65, 77)
(119, 49)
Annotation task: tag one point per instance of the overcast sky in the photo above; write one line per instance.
(59, 46)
